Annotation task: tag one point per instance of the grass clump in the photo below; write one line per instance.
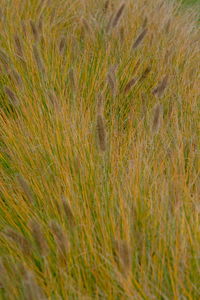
(99, 150)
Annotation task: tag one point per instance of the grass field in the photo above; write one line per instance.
(99, 150)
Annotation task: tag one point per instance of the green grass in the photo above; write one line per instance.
(99, 160)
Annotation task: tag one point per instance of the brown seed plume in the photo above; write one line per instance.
(157, 118)
(18, 46)
(139, 39)
(11, 95)
(118, 15)
(112, 81)
(106, 6)
(25, 187)
(68, 211)
(4, 58)
(123, 255)
(159, 90)
(19, 239)
(38, 59)
(38, 237)
(87, 26)
(60, 237)
(99, 104)
(145, 73)
(16, 77)
(32, 290)
(129, 85)
(62, 45)
(34, 30)
(101, 131)
(53, 99)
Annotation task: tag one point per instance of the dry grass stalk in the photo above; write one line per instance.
(118, 15)
(139, 39)
(18, 45)
(129, 85)
(123, 255)
(101, 131)
(60, 237)
(25, 187)
(34, 30)
(68, 211)
(41, 6)
(32, 290)
(157, 118)
(19, 239)
(38, 59)
(39, 237)
(11, 95)
(159, 90)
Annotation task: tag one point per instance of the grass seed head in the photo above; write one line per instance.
(139, 39)
(62, 45)
(25, 187)
(16, 77)
(157, 118)
(129, 85)
(32, 290)
(101, 131)
(18, 45)
(112, 81)
(19, 239)
(38, 59)
(60, 237)
(34, 30)
(39, 237)
(159, 90)
(11, 95)
(4, 58)
(68, 211)
(123, 255)
(118, 15)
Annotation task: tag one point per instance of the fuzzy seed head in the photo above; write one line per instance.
(139, 39)
(25, 187)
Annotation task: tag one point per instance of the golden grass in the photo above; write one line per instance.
(99, 150)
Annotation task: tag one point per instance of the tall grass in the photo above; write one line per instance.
(99, 150)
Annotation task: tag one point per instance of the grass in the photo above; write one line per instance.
(99, 118)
